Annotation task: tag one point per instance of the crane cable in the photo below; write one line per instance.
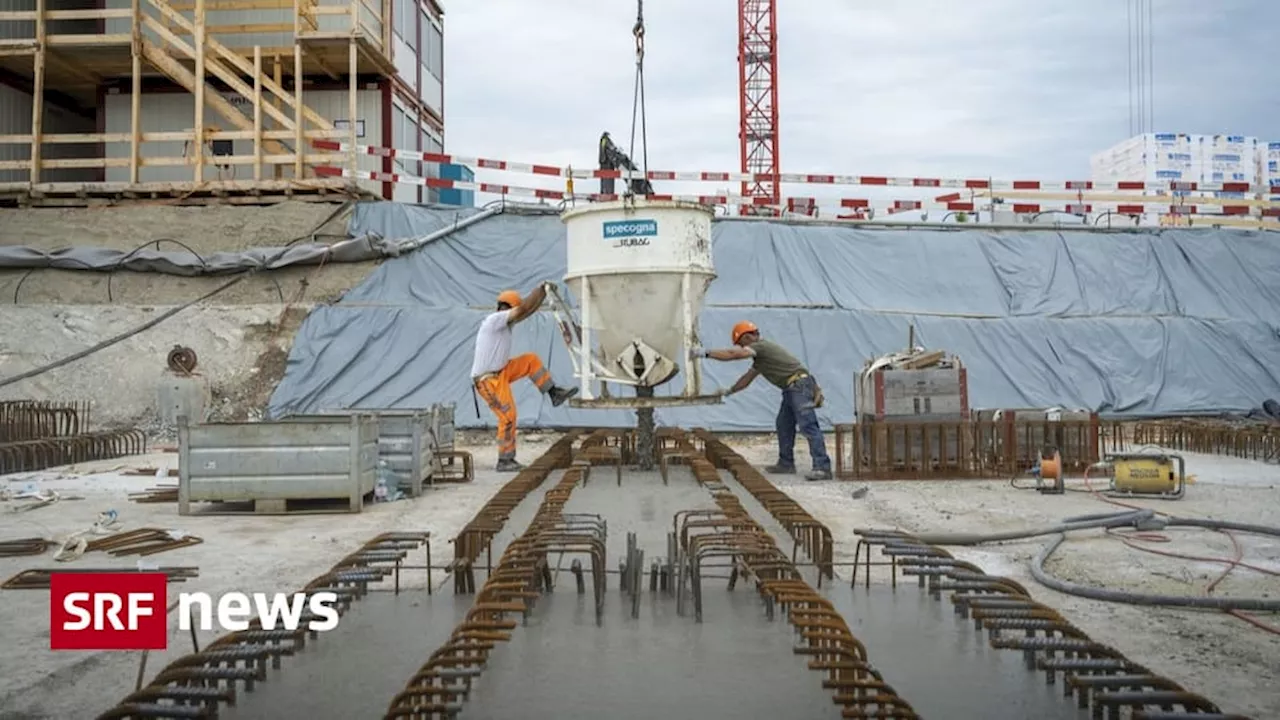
(637, 101)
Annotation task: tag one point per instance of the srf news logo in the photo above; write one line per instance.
(129, 611)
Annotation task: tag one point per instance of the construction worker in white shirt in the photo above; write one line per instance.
(494, 370)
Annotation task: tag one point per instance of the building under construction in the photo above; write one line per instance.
(101, 97)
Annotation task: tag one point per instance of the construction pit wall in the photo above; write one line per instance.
(388, 76)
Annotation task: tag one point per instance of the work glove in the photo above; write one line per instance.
(698, 351)
(818, 398)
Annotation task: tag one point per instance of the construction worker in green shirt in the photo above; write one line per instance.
(801, 396)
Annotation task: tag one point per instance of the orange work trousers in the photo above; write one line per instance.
(495, 388)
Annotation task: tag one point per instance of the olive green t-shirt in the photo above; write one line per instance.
(774, 363)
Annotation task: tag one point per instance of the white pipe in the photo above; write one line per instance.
(410, 245)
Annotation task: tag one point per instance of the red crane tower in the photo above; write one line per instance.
(758, 103)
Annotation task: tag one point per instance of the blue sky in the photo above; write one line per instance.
(986, 88)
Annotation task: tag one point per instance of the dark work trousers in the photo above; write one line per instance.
(606, 184)
(797, 411)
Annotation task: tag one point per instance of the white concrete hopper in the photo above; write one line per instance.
(639, 270)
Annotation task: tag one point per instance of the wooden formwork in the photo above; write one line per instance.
(72, 53)
(882, 450)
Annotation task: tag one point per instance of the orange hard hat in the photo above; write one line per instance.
(742, 328)
(510, 297)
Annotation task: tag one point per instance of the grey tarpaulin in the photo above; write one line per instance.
(1154, 322)
(184, 262)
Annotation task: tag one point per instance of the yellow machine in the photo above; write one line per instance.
(1146, 474)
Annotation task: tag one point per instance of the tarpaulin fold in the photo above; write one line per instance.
(1135, 323)
(188, 264)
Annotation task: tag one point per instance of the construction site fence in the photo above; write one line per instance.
(1003, 448)
(1176, 202)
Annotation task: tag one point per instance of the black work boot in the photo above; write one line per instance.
(508, 465)
(780, 469)
(558, 395)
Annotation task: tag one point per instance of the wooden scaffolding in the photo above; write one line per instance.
(72, 52)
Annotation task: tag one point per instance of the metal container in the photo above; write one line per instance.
(271, 463)
(444, 427)
(409, 440)
(929, 395)
(639, 270)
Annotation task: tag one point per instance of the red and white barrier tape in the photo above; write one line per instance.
(800, 178)
(804, 205)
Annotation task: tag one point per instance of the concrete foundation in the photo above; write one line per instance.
(734, 664)
(179, 395)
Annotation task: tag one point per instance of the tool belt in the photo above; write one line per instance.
(818, 398)
(475, 383)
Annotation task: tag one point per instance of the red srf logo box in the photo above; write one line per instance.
(108, 611)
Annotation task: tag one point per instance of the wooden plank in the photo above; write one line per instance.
(135, 99)
(89, 40)
(239, 29)
(84, 163)
(257, 112)
(18, 16)
(199, 41)
(37, 94)
(230, 186)
(229, 5)
(277, 74)
(353, 94)
(297, 111)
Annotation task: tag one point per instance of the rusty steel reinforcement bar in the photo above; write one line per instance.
(1249, 440)
(39, 578)
(195, 685)
(809, 534)
(967, 449)
(477, 535)
(439, 688)
(860, 690)
(37, 419)
(32, 455)
(1097, 675)
(25, 547)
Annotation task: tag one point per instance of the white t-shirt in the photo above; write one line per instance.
(493, 344)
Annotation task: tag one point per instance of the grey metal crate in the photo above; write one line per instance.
(272, 463)
(409, 440)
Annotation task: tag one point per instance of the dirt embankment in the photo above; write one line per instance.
(242, 336)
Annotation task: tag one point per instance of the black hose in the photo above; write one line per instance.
(1203, 602)
(1143, 520)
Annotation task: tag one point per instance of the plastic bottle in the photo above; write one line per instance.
(387, 481)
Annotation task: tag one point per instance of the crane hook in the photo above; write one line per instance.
(638, 31)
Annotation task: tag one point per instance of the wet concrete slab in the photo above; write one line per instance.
(735, 664)
(940, 663)
(660, 665)
(354, 670)
(643, 505)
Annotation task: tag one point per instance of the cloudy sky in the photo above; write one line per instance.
(987, 88)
